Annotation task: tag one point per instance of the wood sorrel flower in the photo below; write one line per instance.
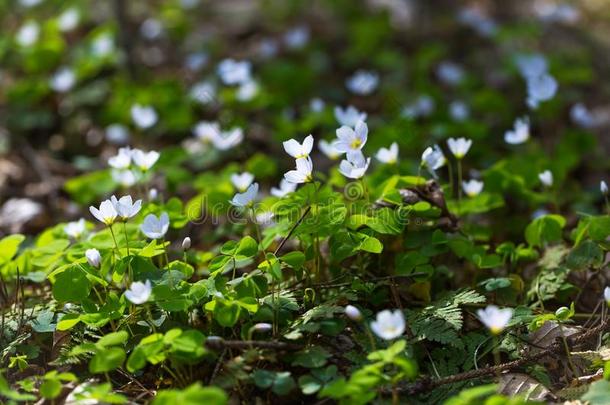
(388, 155)
(298, 150)
(242, 181)
(520, 133)
(389, 324)
(472, 187)
(139, 292)
(106, 213)
(155, 228)
(302, 174)
(459, 147)
(93, 257)
(246, 198)
(494, 318)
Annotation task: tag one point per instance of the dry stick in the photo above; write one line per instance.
(426, 384)
(249, 344)
(296, 225)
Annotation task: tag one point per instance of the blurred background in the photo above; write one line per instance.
(79, 79)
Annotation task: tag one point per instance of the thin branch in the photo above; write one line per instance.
(217, 344)
(281, 245)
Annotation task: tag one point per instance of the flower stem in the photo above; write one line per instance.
(459, 185)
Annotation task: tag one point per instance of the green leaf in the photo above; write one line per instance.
(50, 388)
(71, 285)
(598, 393)
(312, 357)
(113, 339)
(107, 360)
(192, 395)
(545, 229)
(68, 321)
(9, 245)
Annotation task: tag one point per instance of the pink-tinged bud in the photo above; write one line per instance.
(353, 313)
(93, 257)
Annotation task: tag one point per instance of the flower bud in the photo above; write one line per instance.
(603, 187)
(93, 257)
(262, 327)
(153, 194)
(186, 243)
(353, 313)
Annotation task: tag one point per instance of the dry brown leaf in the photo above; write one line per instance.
(512, 384)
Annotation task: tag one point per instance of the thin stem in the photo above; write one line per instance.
(451, 188)
(459, 185)
(567, 348)
(126, 237)
(496, 353)
(113, 238)
(607, 204)
(370, 336)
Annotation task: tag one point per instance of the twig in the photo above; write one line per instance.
(249, 344)
(348, 283)
(281, 245)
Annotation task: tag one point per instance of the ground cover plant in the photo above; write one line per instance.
(329, 201)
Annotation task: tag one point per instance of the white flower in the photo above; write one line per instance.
(459, 147)
(267, 48)
(242, 181)
(495, 318)
(144, 160)
(106, 213)
(233, 72)
(351, 140)
(316, 105)
(328, 149)
(122, 160)
(353, 313)
(520, 133)
(298, 150)
(247, 91)
(246, 198)
(607, 295)
(207, 131)
(388, 155)
(355, 166)
(28, 34)
(603, 187)
(68, 20)
(143, 116)
(103, 45)
(117, 134)
(262, 327)
(75, 229)
(349, 116)
(138, 292)
(546, 178)
(389, 324)
(459, 111)
(153, 193)
(472, 188)
(421, 107)
(155, 228)
(229, 139)
(264, 218)
(540, 88)
(285, 188)
(125, 207)
(151, 28)
(125, 178)
(450, 73)
(63, 80)
(297, 37)
(186, 243)
(93, 257)
(433, 158)
(203, 92)
(362, 82)
(302, 174)
(581, 116)
(531, 65)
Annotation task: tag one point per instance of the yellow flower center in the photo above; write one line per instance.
(356, 143)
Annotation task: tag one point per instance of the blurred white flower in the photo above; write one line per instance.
(207, 131)
(450, 73)
(28, 34)
(151, 28)
(285, 188)
(362, 82)
(262, 327)
(245, 199)
(546, 178)
(540, 88)
(102, 45)
(351, 140)
(302, 174)
(520, 133)
(122, 160)
(388, 155)
(155, 228)
(353, 313)
(459, 111)
(433, 159)
(581, 116)
(139, 293)
(328, 149)
(233, 72)
(494, 318)
(603, 187)
(532, 65)
(349, 116)
(75, 229)
(316, 105)
(298, 150)
(389, 324)
(93, 257)
(607, 295)
(126, 178)
(29, 3)
(297, 37)
(267, 48)
(144, 160)
(472, 187)
(247, 91)
(143, 116)
(421, 107)
(186, 243)
(242, 181)
(473, 17)
(68, 20)
(459, 147)
(125, 207)
(196, 61)
(228, 139)
(355, 166)
(106, 213)
(203, 92)
(153, 194)
(117, 134)
(264, 218)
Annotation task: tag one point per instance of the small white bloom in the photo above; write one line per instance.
(264, 218)
(349, 116)
(459, 111)
(581, 116)
(494, 318)
(203, 92)
(285, 188)
(93, 257)
(450, 73)
(233, 72)
(144, 160)
(362, 82)
(262, 327)
(153, 194)
(229, 139)
(68, 20)
(607, 295)
(351, 140)
(207, 131)
(459, 147)
(316, 105)
(106, 213)
(302, 174)
(143, 116)
(242, 181)
(421, 107)
(297, 37)
(103, 45)
(186, 243)
(151, 28)
(267, 48)
(546, 178)
(246, 198)
(355, 166)
(520, 133)
(28, 34)
(122, 160)
(433, 158)
(138, 292)
(540, 88)
(126, 178)
(603, 187)
(389, 324)
(63, 80)
(155, 228)
(117, 134)
(328, 149)
(125, 207)
(75, 229)
(298, 150)
(388, 155)
(353, 313)
(533, 65)
(247, 91)
(472, 188)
